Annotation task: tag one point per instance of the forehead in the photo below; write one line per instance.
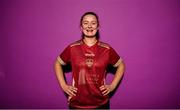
(89, 18)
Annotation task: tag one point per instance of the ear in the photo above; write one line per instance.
(98, 27)
(81, 28)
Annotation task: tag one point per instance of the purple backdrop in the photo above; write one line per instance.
(143, 32)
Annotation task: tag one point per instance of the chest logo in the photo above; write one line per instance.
(89, 60)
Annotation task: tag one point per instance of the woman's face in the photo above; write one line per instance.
(89, 25)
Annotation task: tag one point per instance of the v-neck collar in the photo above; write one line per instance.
(95, 44)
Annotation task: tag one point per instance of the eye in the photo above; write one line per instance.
(85, 23)
(94, 23)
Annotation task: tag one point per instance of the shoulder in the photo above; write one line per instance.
(76, 43)
(104, 45)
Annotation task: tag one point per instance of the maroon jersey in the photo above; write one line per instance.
(89, 70)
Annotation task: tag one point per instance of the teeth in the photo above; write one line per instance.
(89, 30)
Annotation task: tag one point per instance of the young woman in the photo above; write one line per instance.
(89, 58)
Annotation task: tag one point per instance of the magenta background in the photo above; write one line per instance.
(144, 32)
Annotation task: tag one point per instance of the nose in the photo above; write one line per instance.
(89, 26)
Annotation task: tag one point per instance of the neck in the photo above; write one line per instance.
(90, 41)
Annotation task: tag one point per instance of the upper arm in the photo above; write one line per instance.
(65, 56)
(114, 58)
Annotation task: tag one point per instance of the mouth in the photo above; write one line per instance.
(89, 30)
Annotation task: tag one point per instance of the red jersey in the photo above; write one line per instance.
(89, 70)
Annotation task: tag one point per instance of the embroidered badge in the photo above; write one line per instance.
(89, 60)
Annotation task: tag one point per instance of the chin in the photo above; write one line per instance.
(90, 36)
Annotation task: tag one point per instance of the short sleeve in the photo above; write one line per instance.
(65, 56)
(114, 58)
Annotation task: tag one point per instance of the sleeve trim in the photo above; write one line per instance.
(118, 62)
(61, 61)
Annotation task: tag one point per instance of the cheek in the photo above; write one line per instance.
(95, 26)
(84, 27)
(84, 31)
(95, 31)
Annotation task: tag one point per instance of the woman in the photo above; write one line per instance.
(89, 58)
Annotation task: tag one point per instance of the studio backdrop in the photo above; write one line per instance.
(145, 33)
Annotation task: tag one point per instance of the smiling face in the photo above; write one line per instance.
(89, 25)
